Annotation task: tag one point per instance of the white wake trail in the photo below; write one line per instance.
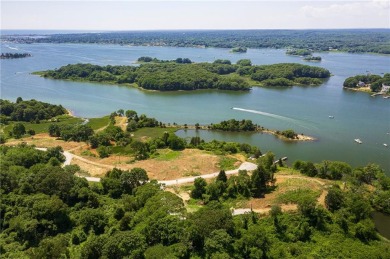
(297, 122)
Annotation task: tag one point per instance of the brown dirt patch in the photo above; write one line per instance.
(44, 140)
(285, 183)
(121, 122)
(92, 169)
(191, 162)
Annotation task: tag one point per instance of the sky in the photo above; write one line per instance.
(110, 15)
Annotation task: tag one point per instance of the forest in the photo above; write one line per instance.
(374, 82)
(348, 40)
(48, 211)
(29, 111)
(182, 74)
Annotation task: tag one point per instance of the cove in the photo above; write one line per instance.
(304, 109)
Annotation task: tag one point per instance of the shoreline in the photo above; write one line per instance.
(71, 113)
(368, 91)
(360, 89)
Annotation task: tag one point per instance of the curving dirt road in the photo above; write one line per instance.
(244, 166)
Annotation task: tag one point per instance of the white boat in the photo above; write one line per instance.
(385, 144)
(331, 117)
(358, 141)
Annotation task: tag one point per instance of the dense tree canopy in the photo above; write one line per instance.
(182, 74)
(48, 212)
(29, 111)
(234, 125)
(351, 40)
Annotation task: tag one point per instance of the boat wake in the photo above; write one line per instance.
(12, 48)
(271, 115)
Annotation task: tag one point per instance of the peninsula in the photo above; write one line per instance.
(370, 83)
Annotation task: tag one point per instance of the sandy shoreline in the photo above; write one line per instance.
(300, 137)
(70, 113)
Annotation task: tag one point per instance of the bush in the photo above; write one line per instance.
(104, 151)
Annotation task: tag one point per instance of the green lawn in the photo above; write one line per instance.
(227, 163)
(97, 123)
(294, 196)
(43, 126)
(167, 155)
(149, 133)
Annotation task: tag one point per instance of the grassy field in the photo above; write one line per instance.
(43, 126)
(97, 123)
(294, 196)
(167, 155)
(149, 133)
(227, 163)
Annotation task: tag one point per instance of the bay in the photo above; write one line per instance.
(303, 109)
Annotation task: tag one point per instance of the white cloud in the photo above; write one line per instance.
(385, 4)
(364, 13)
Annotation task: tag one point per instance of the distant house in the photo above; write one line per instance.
(361, 84)
(385, 88)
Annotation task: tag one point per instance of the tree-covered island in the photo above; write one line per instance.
(312, 58)
(369, 83)
(182, 74)
(14, 55)
(239, 50)
(248, 126)
(299, 52)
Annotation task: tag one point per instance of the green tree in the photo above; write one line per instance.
(104, 151)
(244, 62)
(54, 130)
(92, 220)
(18, 130)
(199, 188)
(334, 200)
(124, 244)
(259, 181)
(254, 243)
(365, 231)
(221, 176)
(219, 241)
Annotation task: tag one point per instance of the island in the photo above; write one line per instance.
(370, 83)
(14, 55)
(299, 52)
(146, 59)
(233, 125)
(183, 74)
(239, 50)
(312, 58)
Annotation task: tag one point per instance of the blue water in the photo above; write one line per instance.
(304, 109)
